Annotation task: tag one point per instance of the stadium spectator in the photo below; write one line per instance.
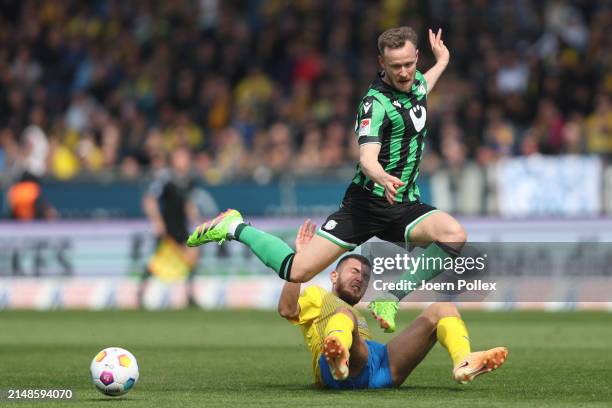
(27, 202)
(572, 135)
(599, 127)
(98, 78)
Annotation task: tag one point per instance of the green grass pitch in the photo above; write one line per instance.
(194, 358)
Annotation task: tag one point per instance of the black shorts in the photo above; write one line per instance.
(363, 216)
(177, 232)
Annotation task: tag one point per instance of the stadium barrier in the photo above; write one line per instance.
(576, 186)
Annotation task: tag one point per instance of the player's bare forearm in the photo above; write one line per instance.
(434, 74)
(442, 57)
(372, 169)
(288, 306)
(368, 160)
(151, 209)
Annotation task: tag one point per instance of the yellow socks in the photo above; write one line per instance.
(341, 326)
(453, 335)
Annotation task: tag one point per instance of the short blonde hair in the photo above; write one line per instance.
(396, 38)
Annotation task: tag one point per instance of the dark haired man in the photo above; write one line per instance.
(337, 335)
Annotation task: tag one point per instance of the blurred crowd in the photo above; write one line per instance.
(258, 87)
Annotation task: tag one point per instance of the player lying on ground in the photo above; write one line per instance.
(337, 335)
(383, 198)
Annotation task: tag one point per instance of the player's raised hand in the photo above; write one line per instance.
(438, 48)
(391, 184)
(304, 235)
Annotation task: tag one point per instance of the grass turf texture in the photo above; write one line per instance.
(248, 358)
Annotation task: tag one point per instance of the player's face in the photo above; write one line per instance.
(400, 66)
(351, 281)
(181, 161)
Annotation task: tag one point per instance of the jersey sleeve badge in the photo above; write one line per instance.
(364, 127)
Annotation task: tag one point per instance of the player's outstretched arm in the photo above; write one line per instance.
(288, 306)
(442, 57)
(152, 210)
(368, 160)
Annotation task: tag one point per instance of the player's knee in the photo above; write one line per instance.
(299, 274)
(302, 269)
(446, 309)
(453, 234)
(439, 310)
(430, 319)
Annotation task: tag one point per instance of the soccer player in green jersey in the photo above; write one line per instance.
(383, 198)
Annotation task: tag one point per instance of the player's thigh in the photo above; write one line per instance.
(317, 255)
(409, 348)
(437, 226)
(342, 231)
(359, 355)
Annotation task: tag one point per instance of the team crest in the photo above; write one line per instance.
(418, 115)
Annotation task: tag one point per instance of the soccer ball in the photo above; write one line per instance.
(114, 371)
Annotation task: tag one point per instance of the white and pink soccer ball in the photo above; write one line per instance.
(114, 371)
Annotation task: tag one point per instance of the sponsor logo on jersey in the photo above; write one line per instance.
(397, 103)
(364, 127)
(418, 115)
(366, 107)
(330, 225)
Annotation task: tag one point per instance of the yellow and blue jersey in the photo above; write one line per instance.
(316, 307)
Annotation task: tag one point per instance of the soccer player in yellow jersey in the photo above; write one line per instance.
(337, 335)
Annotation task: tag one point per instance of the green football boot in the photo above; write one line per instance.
(384, 310)
(215, 229)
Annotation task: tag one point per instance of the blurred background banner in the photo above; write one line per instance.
(97, 265)
(121, 248)
(550, 186)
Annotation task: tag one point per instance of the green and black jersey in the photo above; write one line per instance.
(395, 120)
